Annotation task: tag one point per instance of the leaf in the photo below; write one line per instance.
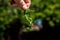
(51, 23)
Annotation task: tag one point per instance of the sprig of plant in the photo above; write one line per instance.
(28, 19)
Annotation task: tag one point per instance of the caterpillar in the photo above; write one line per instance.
(23, 4)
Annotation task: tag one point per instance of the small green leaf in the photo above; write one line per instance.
(51, 23)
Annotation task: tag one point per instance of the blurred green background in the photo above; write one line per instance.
(40, 9)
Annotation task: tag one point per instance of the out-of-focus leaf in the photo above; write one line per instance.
(48, 12)
(51, 23)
